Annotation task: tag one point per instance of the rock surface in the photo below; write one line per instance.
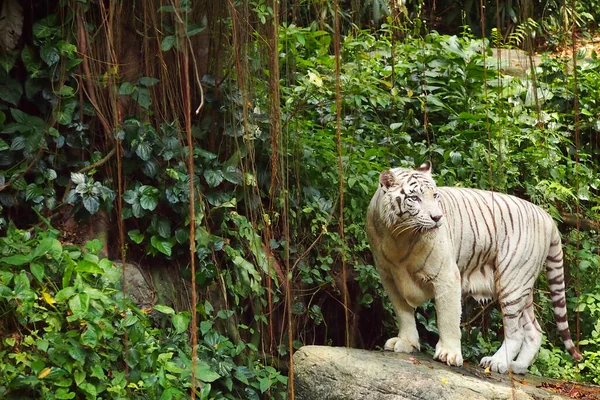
(137, 286)
(338, 373)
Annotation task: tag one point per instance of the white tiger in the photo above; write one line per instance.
(431, 242)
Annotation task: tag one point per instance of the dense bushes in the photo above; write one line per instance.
(68, 332)
(482, 129)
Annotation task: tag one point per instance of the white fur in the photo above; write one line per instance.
(431, 242)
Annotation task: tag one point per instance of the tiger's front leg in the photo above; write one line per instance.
(407, 340)
(447, 291)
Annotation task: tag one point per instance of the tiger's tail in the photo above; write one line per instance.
(556, 280)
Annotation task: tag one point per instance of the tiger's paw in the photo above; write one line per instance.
(494, 364)
(401, 345)
(518, 367)
(448, 355)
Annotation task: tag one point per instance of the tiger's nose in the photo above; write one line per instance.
(436, 218)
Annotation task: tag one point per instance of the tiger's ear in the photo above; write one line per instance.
(425, 168)
(386, 179)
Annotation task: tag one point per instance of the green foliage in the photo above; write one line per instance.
(68, 332)
(90, 193)
(484, 129)
(404, 99)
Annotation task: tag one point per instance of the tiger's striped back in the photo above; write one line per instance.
(501, 243)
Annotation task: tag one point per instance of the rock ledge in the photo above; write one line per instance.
(338, 373)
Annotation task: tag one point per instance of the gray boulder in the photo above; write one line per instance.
(338, 373)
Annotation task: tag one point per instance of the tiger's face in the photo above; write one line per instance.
(411, 200)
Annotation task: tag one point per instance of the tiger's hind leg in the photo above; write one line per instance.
(531, 341)
(514, 335)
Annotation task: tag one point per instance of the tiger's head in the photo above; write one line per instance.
(410, 201)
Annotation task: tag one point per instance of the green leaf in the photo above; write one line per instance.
(264, 384)
(207, 155)
(90, 389)
(148, 81)
(137, 210)
(130, 196)
(64, 394)
(174, 368)
(240, 374)
(144, 150)
(194, 29)
(72, 63)
(11, 90)
(91, 204)
(49, 54)
(97, 372)
(78, 178)
(149, 198)
(181, 321)
(167, 43)
(172, 393)
(77, 352)
(455, 157)
(435, 101)
(37, 270)
(19, 116)
(65, 91)
(164, 309)
(88, 266)
(16, 260)
(213, 177)
(233, 174)
(18, 143)
(127, 89)
(205, 373)
(7, 61)
(33, 191)
(164, 228)
(66, 48)
(45, 27)
(79, 376)
(150, 168)
(79, 304)
(130, 321)
(166, 9)
(19, 184)
(50, 174)
(94, 245)
(22, 286)
(148, 202)
(143, 98)
(136, 236)
(162, 245)
(3, 145)
(47, 245)
(65, 294)
(42, 344)
(89, 337)
(64, 116)
(68, 273)
(182, 235)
